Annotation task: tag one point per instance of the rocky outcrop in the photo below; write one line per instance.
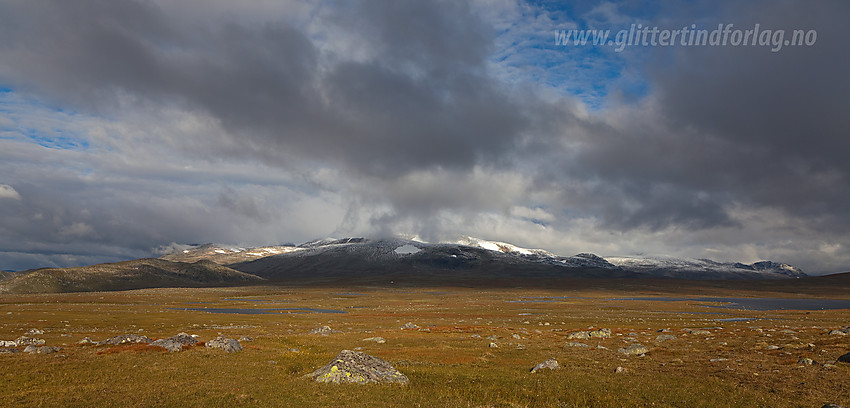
(590, 334)
(125, 339)
(223, 343)
(24, 341)
(359, 368)
(176, 342)
(634, 350)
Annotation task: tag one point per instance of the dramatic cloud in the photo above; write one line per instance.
(128, 126)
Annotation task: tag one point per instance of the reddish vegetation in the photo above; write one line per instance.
(136, 348)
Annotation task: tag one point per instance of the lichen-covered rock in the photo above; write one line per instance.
(359, 368)
(634, 349)
(222, 343)
(34, 332)
(126, 339)
(323, 330)
(176, 342)
(599, 334)
(86, 341)
(4, 343)
(698, 332)
(379, 340)
(550, 364)
(575, 344)
(582, 335)
(493, 345)
(409, 326)
(28, 341)
(664, 337)
(806, 362)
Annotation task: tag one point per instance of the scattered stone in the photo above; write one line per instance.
(516, 336)
(620, 370)
(86, 341)
(176, 342)
(698, 332)
(379, 340)
(324, 331)
(715, 360)
(126, 339)
(409, 326)
(476, 336)
(34, 332)
(492, 337)
(222, 343)
(360, 368)
(837, 332)
(806, 362)
(30, 349)
(634, 349)
(9, 350)
(575, 344)
(493, 345)
(245, 338)
(664, 337)
(4, 343)
(845, 358)
(772, 347)
(550, 364)
(28, 341)
(42, 349)
(294, 350)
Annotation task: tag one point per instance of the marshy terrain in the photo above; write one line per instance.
(617, 344)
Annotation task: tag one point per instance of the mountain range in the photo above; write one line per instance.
(376, 261)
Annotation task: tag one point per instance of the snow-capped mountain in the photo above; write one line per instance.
(467, 256)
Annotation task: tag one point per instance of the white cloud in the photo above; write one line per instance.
(6, 191)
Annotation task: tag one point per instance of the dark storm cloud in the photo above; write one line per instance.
(421, 101)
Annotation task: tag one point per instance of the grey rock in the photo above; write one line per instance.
(126, 339)
(9, 350)
(30, 349)
(582, 335)
(223, 343)
(600, 334)
(409, 325)
(620, 370)
(379, 340)
(516, 336)
(492, 337)
(575, 344)
(47, 349)
(838, 332)
(176, 342)
(634, 349)
(323, 330)
(772, 347)
(34, 332)
(832, 406)
(550, 364)
(698, 332)
(4, 343)
(845, 358)
(245, 338)
(86, 340)
(806, 362)
(28, 341)
(360, 368)
(493, 345)
(664, 337)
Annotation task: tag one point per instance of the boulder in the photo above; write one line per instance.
(634, 349)
(28, 341)
(550, 364)
(409, 325)
(323, 330)
(86, 340)
(125, 339)
(176, 342)
(582, 335)
(4, 343)
(222, 343)
(664, 337)
(599, 334)
(34, 332)
(845, 358)
(9, 350)
(359, 368)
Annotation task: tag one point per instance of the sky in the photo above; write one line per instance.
(129, 128)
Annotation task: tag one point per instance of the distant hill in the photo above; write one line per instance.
(7, 274)
(135, 274)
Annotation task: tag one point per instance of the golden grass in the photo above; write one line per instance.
(448, 366)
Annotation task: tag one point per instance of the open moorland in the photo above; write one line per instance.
(465, 347)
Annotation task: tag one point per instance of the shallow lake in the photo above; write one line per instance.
(234, 310)
(756, 303)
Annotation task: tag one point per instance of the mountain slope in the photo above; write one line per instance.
(477, 259)
(135, 274)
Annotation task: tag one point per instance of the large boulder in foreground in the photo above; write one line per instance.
(360, 368)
